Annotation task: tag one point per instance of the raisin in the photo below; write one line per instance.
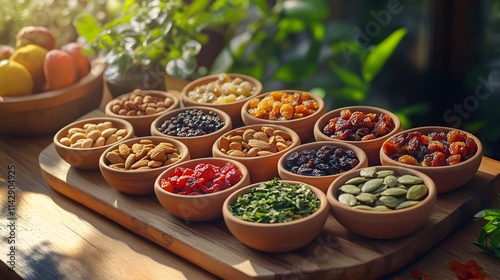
(407, 159)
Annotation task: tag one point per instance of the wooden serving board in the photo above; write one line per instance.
(335, 254)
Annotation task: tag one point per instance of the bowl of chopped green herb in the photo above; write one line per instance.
(276, 215)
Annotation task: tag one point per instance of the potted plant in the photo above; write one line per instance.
(150, 39)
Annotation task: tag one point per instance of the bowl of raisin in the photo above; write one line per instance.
(297, 110)
(320, 163)
(197, 127)
(366, 127)
(224, 91)
(451, 157)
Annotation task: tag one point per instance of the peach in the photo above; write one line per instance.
(82, 61)
(38, 35)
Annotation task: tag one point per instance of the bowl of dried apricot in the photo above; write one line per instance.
(366, 127)
(382, 202)
(133, 165)
(450, 156)
(225, 91)
(297, 110)
(141, 107)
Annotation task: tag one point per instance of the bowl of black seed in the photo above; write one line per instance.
(197, 127)
(320, 163)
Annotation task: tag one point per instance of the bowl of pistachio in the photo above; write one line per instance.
(382, 202)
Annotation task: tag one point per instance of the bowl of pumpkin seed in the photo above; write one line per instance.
(382, 202)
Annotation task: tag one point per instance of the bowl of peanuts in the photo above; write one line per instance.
(320, 163)
(82, 142)
(197, 127)
(450, 156)
(366, 127)
(141, 107)
(133, 165)
(297, 110)
(224, 91)
(259, 147)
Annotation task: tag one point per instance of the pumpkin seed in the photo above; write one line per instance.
(363, 207)
(348, 199)
(366, 198)
(409, 180)
(356, 180)
(381, 208)
(368, 172)
(391, 181)
(406, 204)
(384, 173)
(389, 201)
(416, 192)
(372, 185)
(352, 189)
(394, 192)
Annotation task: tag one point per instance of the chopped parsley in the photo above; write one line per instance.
(276, 202)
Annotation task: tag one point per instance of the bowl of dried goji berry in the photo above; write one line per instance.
(195, 190)
(366, 127)
(450, 156)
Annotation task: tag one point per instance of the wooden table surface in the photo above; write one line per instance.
(57, 238)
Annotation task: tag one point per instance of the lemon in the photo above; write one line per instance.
(14, 79)
(32, 57)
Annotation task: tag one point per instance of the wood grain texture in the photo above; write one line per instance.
(335, 254)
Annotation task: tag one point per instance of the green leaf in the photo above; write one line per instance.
(381, 53)
(348, 77)
(318, 92)
(350, 93)
(307, 10)
(88, 27)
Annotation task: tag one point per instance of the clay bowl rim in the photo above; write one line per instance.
(365, 109)
(324, 206)
(430, 197)
(319, 111)
(308, 146)
(108, 112)
(188, 102)
(479, 152)
(194, 162)
(104, 164)
(295, 142)
(127, 125)
(57, 97)
(171, 113)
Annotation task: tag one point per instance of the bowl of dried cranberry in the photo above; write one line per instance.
(197, 127)
(451, 157)
(297, 110)
(195, 190)
(366, 127)
(320, 163)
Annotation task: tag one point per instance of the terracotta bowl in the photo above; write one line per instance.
(261, 168)
(199, 146)
(45, 113)
(142, 123)
(276, 237)
(233, 109)
(139, 181)
(321, 182)
(88, 158)
(302, 126)
(449, 177)
(371, 147)
(203, 207)
(388, 224)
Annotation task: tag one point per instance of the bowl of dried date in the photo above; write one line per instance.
(451, 157)
(382, 202)
(297, 110)
(142, 107)
(195, 190)
(366, 127)
(82, 142)
(319, 163)
(277, 215)
(132, 166)
(224, 91)
(259, 147)
(198, 127)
